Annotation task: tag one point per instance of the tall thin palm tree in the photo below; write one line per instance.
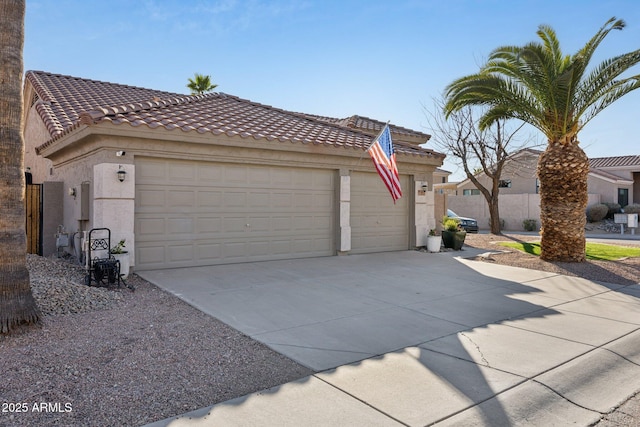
(558, 94)
(17, 305)
(200, 84)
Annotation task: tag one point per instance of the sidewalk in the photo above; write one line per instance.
(418, 339)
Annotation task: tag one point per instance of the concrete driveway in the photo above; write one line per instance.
(411, 338)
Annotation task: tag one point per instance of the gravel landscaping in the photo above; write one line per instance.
(112, 357)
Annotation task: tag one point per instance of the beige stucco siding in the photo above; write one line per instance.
(35, 133)
(73, 157)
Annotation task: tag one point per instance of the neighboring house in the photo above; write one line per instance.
(213, 179)
(616, 179)
(611, 179)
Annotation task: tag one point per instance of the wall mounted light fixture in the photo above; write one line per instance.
(425, 186)
(121, 173)
(72, 192)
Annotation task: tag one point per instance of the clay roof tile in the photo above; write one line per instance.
(66, 102)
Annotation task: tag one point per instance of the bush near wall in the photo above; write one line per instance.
(530, 225)
(614, 208)
(634, 208)
(597, 212)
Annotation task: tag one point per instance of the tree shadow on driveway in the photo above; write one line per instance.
(417, 338)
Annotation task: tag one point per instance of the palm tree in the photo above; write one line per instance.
(200, 84)
(17, 306)
(555, 93)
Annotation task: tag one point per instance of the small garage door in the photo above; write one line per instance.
(377, 224)
(190, 213)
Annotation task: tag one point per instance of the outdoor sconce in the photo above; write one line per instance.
(72, 192)
(121, 174)
(425, 187)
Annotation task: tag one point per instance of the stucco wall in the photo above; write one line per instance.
(514, 208)
(73, 158)
(35, 133)
(520, 171)
(608, 190)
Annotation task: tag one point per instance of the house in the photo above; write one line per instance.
(213, 179)
(611, 179)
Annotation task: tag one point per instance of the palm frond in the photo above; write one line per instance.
(600, 79)
(614, 92)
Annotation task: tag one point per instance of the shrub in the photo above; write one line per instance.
(614, 208)
(451, 224)
(530, 225)
(597, 212)
(632, 209)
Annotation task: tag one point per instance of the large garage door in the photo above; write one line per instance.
(377, 225)
(190, 213)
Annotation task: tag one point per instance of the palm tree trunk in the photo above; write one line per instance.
(17, 305)
(562, 171)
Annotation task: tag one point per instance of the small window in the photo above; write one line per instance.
(472, 192)
(504, 183)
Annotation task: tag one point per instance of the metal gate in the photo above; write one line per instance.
(33, 220)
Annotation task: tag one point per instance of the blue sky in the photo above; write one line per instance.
(386, 60)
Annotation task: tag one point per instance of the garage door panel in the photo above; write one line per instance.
(234, 251)
(209, 199)
(377, 224)
(209, 252)
(209, 225)
(234, 200)
(181, 197)
(149, 226)
(150, 255)
(230, 213)
(181, 173)
(180, 226)
(262, 224)
(281, 223)
(211, 174)
(258, 200)
(180, 253)
(149, 198)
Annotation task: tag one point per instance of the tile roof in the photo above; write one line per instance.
(607, 175)
(61, 99)
(372, 126)
(64, 103)
(611, 162)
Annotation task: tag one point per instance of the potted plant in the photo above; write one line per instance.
(453, 235)
(119, 253)
(434, 241)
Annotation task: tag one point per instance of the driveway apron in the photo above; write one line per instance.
(413, 338)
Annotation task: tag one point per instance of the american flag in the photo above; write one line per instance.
(384, 159)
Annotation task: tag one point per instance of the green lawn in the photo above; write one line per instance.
(595, 251)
